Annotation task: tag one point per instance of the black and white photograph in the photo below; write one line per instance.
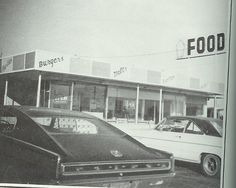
(115, 93)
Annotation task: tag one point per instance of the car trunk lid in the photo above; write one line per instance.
(89, 148)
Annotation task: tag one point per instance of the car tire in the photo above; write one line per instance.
(12, 175)
(210, 165)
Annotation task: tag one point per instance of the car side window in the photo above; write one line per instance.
(192, 128)
(8, 122)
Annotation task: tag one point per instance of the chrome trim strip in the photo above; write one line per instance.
(115, 162)
(32, 145)
(115, 170)
(58, 169)
(192, 143)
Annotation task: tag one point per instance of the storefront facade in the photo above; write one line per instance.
(115, 93)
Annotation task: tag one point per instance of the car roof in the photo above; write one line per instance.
(194, 118)
(48, 111)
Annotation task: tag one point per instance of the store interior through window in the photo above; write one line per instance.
(90, 98)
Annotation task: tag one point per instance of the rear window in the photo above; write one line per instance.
(67, 125)
(207, 126)
(218, 125)
(64, 124)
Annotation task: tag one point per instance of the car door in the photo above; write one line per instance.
(171, 138)
(167, 136)
(195, 142)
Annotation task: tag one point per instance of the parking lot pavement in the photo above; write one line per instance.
(189, 176)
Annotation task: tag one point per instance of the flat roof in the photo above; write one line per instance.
(57, 76)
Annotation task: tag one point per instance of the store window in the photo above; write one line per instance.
(149, 105)
(173, 105)
(125, 108)
(121, 108)
(148, 110)
(195, 106)
(167, 108)
(121, 103)
(194, 109)
(60, 95)
(90, 98)
(44, 93)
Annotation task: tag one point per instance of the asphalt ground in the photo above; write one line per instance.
(189, 176)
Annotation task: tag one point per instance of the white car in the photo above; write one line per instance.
(191, 139)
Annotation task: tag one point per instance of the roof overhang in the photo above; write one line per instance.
(33, 74)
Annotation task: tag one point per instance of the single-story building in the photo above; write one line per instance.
(114, 92)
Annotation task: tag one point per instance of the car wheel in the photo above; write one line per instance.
(12, 175)
(210, 165)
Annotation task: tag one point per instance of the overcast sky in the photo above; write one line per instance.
(141, 33)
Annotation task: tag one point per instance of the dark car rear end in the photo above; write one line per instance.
(110, 159)
(119, 160)
(90, 151)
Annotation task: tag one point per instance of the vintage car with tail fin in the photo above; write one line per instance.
(54, 146)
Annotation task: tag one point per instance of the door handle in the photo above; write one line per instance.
(179, 136)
